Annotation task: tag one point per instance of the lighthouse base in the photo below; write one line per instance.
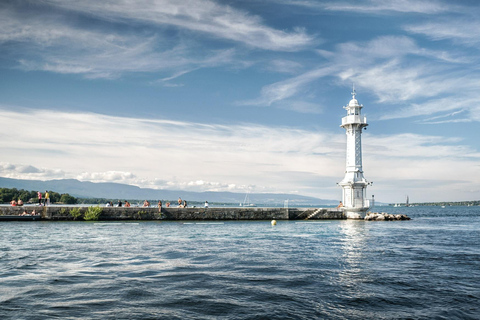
(355, 213)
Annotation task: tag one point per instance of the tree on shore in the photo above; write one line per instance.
(7, 195)
(68, 199)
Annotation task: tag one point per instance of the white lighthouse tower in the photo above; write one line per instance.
(354, 184)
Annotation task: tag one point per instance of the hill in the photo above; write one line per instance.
(84, 189)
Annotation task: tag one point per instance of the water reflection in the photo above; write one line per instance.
(354, 265)
(354, 235)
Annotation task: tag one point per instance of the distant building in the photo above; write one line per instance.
(354, 184)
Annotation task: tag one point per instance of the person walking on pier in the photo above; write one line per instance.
(47, 198)
(39, 195)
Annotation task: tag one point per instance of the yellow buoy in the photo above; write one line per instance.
(274, 222)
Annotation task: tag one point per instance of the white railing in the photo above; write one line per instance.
(354, 119)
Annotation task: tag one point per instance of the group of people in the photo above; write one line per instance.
(25, 213)
(45, 202)
(18, 203)
(119, 204)
(182, 204)
(46, 199)
(146, 204)
(127, 204)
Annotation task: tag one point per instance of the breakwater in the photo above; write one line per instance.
(64, 213)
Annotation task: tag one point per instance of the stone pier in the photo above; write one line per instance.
(64, 213)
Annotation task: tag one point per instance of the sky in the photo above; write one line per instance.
(242, 96)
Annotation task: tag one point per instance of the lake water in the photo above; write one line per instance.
(426, 268)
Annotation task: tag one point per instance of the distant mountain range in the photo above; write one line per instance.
(84, 189)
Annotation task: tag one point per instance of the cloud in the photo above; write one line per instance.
(387, 47)
(201, 16)
(379, 66)
(434, 106)
(374, 6)
(417, 81)
(22, 171)
(420, 147)
(435, 168)
(392, 82)
(166, 154)
(288, 88)
(218, 58)
(57, 39)
(108, 176)
(180, 155)
(463, 30)
(97, 54)
(47, 42)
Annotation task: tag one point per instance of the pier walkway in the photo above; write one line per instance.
(64, 213)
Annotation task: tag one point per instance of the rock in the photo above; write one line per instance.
(383, 216)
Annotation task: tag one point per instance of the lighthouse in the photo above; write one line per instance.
(354, 184)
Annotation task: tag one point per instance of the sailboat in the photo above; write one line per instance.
(246, 202)
(407, 204)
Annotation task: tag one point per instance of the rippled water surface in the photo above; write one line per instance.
(428, 267)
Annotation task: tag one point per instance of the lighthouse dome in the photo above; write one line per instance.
(353, 103)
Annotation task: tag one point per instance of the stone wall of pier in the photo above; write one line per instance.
(63, 213)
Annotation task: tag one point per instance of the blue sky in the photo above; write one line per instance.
(242, 95)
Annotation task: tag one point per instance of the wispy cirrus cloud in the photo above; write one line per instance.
(280, 91)
(417, 81)
(378, 66)
(113, 46)
(374, 6)
(387, 47)
(56, 46)
(395, 68)
(405, 6)
(203, 16)
(464, 30)
(448, 106)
